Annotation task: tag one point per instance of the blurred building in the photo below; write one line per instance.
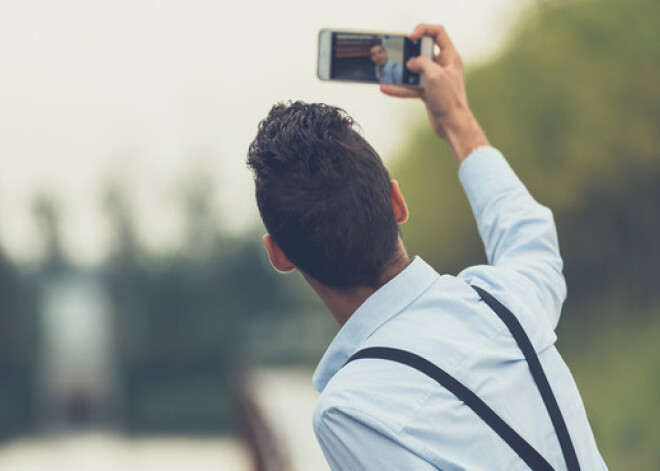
(77, 381)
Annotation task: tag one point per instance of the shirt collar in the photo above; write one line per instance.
(381, 306)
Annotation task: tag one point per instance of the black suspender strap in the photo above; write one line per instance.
(538, 374)
(526, 452)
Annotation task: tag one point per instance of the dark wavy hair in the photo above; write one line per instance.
(324, 194)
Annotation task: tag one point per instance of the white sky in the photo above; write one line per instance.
(153, 91)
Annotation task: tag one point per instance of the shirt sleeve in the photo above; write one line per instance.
(352, 441)
(397, 73)
(518, 233)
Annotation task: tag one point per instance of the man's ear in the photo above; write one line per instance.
(398, 203)
(277, 258)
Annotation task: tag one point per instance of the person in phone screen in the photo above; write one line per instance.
(386, 70)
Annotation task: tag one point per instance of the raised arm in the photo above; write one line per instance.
(519, 234)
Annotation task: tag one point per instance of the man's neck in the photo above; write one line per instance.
(343, 303)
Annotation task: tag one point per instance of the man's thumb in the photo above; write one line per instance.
(421, 64)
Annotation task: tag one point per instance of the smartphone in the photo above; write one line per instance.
(370, 57)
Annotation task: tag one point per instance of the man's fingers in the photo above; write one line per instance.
(437, 32)
(447, 54)
(425, 65)
(421, 65)
(401, 92)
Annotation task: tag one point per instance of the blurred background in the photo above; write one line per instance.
(140, 323)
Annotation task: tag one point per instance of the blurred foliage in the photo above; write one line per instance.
(183, 318)
(573, 102)
(186, 324)
(17, 351)
(616, 367)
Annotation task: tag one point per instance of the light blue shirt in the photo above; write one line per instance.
(392, 73)
(380, 415)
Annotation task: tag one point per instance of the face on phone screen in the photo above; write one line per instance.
(373, 58)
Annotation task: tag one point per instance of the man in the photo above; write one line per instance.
(386, 71)
(332, 214)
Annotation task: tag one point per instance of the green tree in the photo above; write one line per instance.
(574, 104)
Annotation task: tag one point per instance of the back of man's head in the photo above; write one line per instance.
(324, 194)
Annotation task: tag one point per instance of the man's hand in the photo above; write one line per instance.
(444, 94)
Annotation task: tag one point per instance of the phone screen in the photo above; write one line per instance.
(373, 58)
